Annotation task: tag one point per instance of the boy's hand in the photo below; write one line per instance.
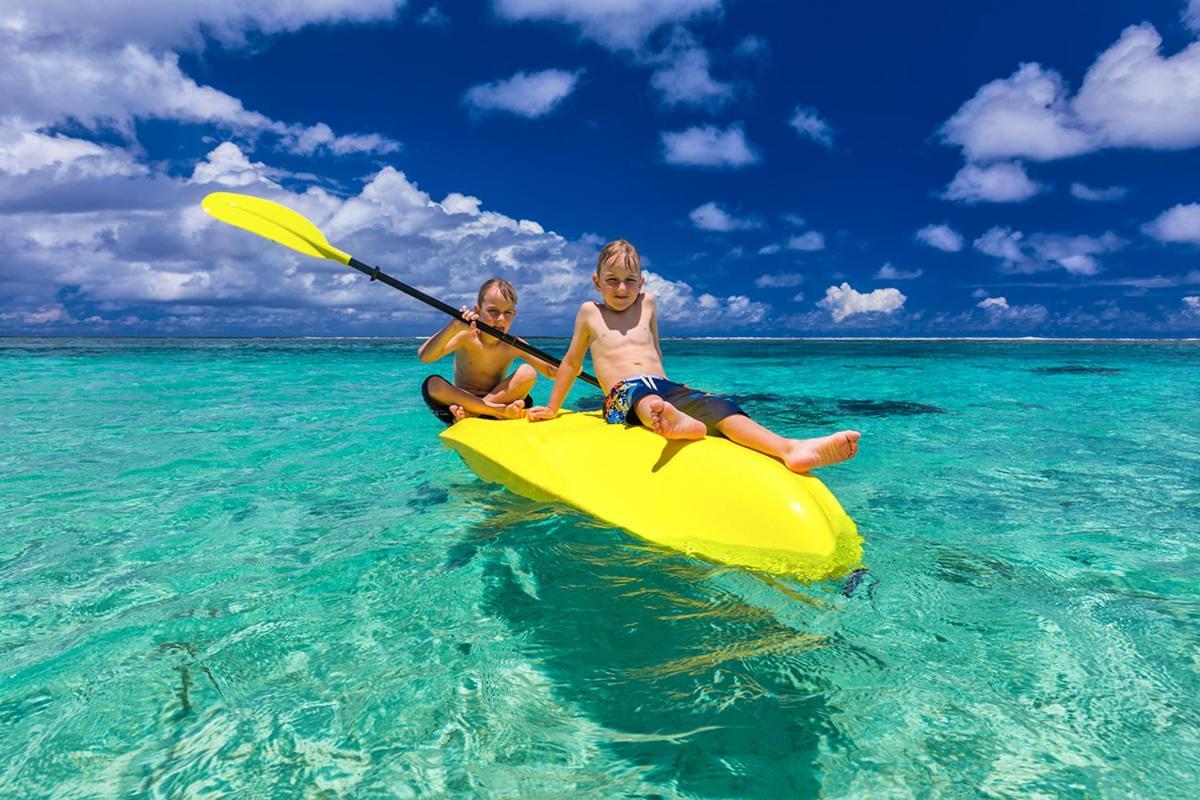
(468, 317)
(540, 413)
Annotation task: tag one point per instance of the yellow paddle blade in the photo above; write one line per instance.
(273, 221)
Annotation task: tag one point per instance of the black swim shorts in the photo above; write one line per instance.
(442, 411)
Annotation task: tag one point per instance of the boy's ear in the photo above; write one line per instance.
(595, 280)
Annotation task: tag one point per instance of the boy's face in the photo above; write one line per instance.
(619, 284)
(496, 309)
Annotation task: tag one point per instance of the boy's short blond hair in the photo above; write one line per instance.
(621, 252)
(504, 287)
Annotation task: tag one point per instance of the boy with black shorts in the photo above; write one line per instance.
(480, 387)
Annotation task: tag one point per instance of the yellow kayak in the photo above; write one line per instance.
(709, 498)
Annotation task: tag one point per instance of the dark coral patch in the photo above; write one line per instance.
(887, 408)
(756, 397)
(427, 495)
(1075, 369)
(589, 403)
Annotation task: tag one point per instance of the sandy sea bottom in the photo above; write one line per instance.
(248, 568)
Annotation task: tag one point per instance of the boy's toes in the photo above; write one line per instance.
(654, 407)
(458, 413)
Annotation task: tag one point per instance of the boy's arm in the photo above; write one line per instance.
(445, 341)
(653, 306)
(544, 367)
(571, 366)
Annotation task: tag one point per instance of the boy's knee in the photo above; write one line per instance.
(434, 386)
(525, 374)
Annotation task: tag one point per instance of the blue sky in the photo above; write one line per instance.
(791, 169)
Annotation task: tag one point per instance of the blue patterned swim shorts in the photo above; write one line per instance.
(621, 403)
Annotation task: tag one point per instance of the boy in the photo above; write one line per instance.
(480, 362)
(622, 332)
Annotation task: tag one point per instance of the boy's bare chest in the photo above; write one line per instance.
(478, 358)
(617, 338)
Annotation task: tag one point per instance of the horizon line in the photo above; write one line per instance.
(1030, 339)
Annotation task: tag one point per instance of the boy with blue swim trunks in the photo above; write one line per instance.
(622, 332)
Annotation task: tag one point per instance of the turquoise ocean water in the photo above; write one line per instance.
(247, 568)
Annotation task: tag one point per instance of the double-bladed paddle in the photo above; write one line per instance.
(291, 229)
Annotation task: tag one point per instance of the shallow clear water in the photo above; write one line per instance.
(248, 568)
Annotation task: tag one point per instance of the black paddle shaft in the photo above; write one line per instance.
(383, 277)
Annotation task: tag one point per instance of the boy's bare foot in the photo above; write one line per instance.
(805, 454)
(668, 421)
(460, 413)
(514, 410)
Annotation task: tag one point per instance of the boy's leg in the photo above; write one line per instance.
(800, 455)
(513, 388)
(445, 392)
(666, 420)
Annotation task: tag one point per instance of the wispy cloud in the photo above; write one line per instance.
(524, 94)
(1082, 191)
(711, 217)
(617, 25)
(997, 183)
(808, 242)
(779, 280)
(810, 125)
(1041, 251)
(941, 237)
(889, 273)
(709, 146)
(684, 76)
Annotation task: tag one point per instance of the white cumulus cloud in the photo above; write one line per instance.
(711, 217)
(1025, 115)
(843, 301)
(942, 237)
(709, 146)
(1131, 96)
(679, 302)
(103, 66)
(525, 94)
(997, 183)
(139, 254)
(1178, 224)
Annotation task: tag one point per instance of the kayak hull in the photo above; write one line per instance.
(710, 498)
